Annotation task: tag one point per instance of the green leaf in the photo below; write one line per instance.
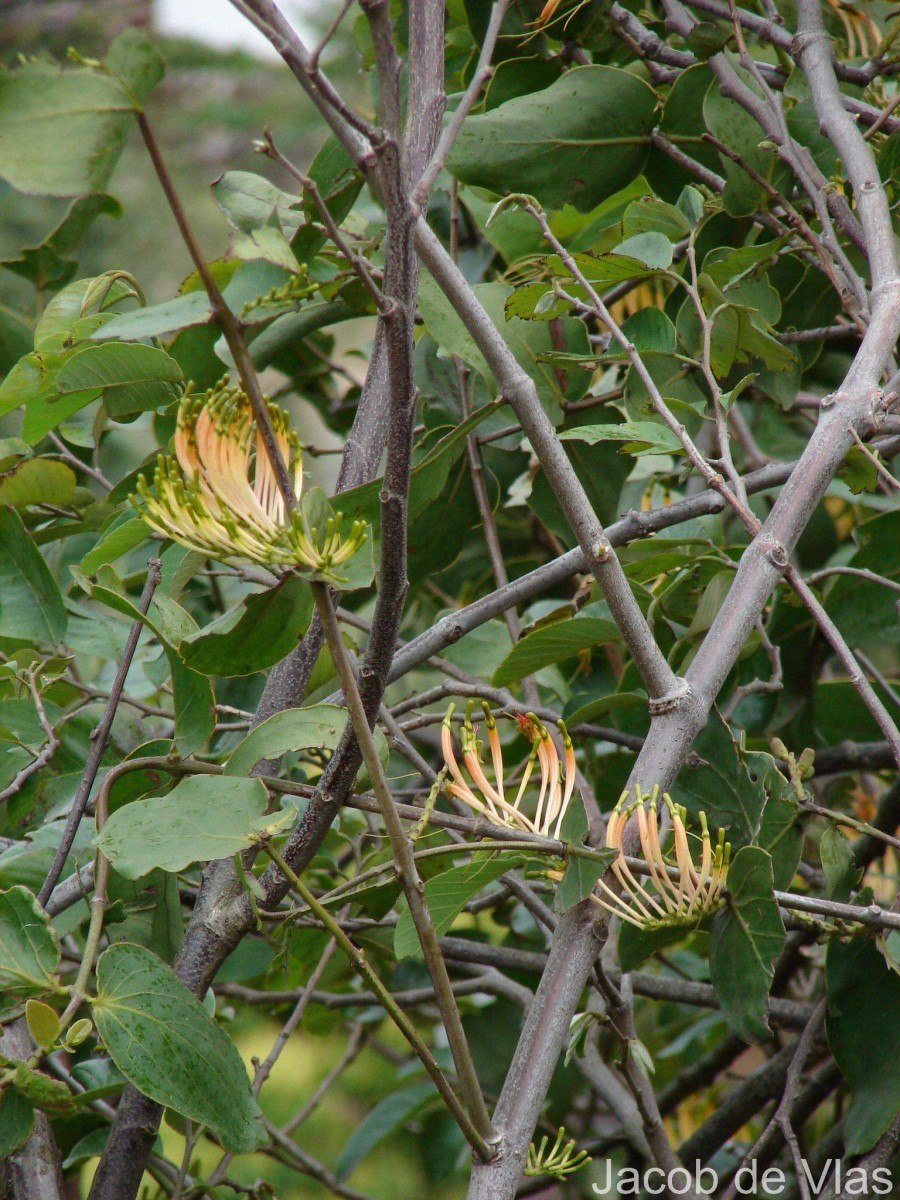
(62, 130)
(439, 450)
(723, 342)
(204, 817)
(194, 706)
(116, 541)
(862, 1023)
(637, 945)
(146, 1017)
(31, 606)
(601, 470)
(29, 949)
(63, 320)
(720, 785)
(37, 481)
(194, 700)
(16, 338)
(262, 216)
(745, 939)
(131, 378)
(16, 1122)
(781, 829)
(43, 1023)
(865, 611)
(388, 1115)
(639, 437)
(575, 827)
(316, 728)
(262, 630)
(447, 895)
(182, 312)
(576, 142)
(733, 126)
(602, 706)
(707, 39)
(49, 1095)
(651, 214)
(27, 862)
(690, 204)
(32, 378)
(606, 268)
(652, 249)
(91, 1145)
(553, 644)
(46, 412)
(580, 878)
(289, 330)
(137, 62)
(528, 340)
(651, 331)
(339, 183)
(755, 341)
(841, 873)
(45, 265)
(858, 470)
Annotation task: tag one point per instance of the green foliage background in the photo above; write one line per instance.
(102, 324)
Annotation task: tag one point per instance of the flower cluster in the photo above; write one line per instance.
(555, 791)
(219, 495)
(679, 896)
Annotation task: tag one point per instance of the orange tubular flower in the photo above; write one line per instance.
(682, 895)
(555, 790)
(219, 494)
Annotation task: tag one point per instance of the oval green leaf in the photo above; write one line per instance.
(29, 950)
(446, 896)
(577, 142)
(132, 378)
(204, 817)
(862, 1024)
(744, 940)
(316, 728)
(552, 645)
(148, 1020)
(262, 630)
(31, 606)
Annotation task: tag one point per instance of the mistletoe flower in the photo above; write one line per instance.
(489, 799)
(219, 495)
(679, 896)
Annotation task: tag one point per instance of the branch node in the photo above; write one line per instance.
(660, 705)
(805, 38)
(777, 555)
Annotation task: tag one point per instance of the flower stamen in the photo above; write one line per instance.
(683, 900)
(555, 791)
(219, 494)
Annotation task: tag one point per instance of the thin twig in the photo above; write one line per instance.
(482, 73)
(224, 318)
(356, 261)
(46, 754)
(361, 965)
(413, 887)
(781, 1118)
(879, 678)
(100, 737)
